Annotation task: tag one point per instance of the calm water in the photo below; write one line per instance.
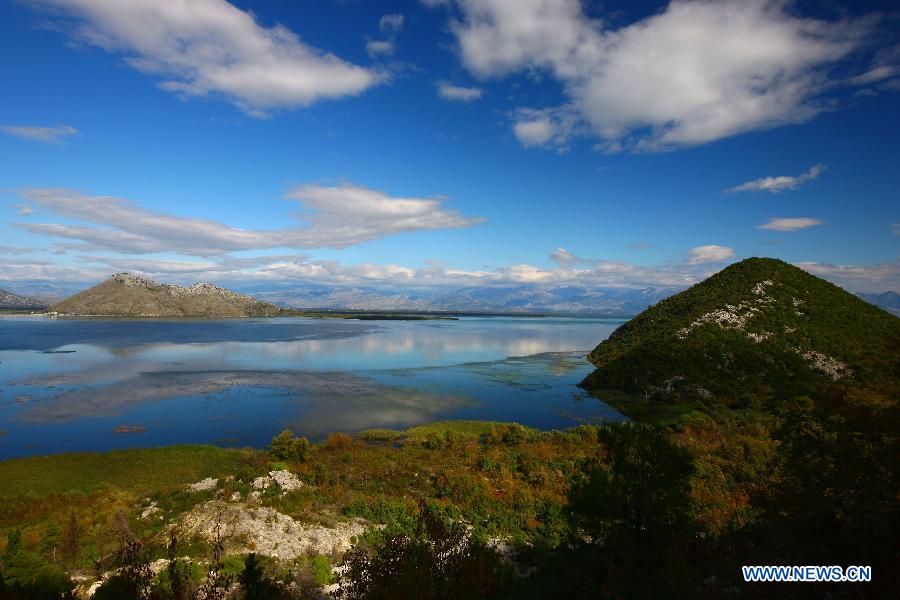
(69, 384)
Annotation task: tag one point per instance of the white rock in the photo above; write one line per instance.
(150, 511)
(286, 480)
(201, 486)
(267, 532)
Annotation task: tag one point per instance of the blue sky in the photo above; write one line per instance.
(447, 143)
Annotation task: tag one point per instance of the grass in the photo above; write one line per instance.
(472, 430)
(642, 409)
(137, 471)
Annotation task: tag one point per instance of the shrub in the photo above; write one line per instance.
(287, 447)
(338, 441)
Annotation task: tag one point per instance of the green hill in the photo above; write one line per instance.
(759, 329)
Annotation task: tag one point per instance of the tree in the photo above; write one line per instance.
(50, 540)
(70, 545)
(635, 505)
(255, 584)
(837, 502)
(134, 574)
(440, 561)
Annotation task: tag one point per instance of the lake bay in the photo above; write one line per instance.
(73, 385)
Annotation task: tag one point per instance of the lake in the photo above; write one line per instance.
(68, 385)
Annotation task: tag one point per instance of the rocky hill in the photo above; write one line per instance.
(10, 300)
(759, 329)
(125, 295)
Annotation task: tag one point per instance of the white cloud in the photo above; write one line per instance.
(564, 257)
(458, 93)
(778, 184)
(390, 26)
(698, 71)
(550, 128)
(48, 135)
(380, 48)
(790, 224)
(709, 254)
(18, 250)
(596, 273)
(336, 217)
(210, 46)
(860, 278)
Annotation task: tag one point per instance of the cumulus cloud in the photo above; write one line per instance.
(790, 224)
(551, 128)
(48, 135)
(698, 71)
(336, 217)
(458, 93)
(709, 254)
(212, 47)
(781, 183)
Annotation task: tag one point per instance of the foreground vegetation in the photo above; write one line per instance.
(469, 509)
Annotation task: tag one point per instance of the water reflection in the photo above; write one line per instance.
(195, 381)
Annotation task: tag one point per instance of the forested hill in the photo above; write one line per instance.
(760, 328)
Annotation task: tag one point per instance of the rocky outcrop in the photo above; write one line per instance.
(263, 530)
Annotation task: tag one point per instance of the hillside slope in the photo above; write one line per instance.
(125, 295)
(10, 300)
(760, 328)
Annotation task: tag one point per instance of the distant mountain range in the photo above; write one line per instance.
(889, 301)
(126, 295)
(503, 299)
(10, 300)
(507, 299)
(759, 329)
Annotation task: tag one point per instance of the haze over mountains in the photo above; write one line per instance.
(524, 298)
(515, 299)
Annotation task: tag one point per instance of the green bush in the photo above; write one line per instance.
(287, 447)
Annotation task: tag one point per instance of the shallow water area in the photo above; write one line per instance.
(98, 384)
